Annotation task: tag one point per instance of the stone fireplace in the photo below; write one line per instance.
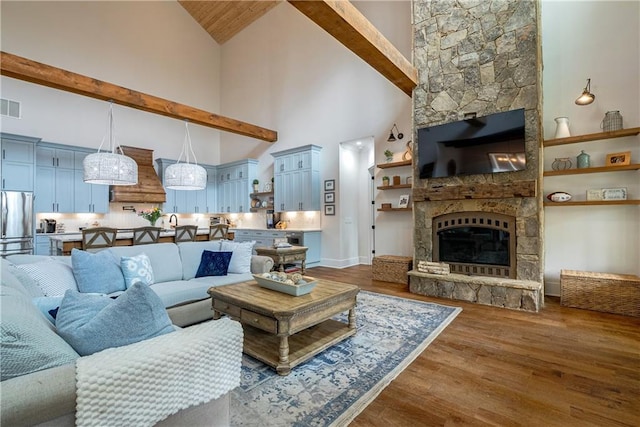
(482, 58)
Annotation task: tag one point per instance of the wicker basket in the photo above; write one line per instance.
(392, 268)
(611, 293)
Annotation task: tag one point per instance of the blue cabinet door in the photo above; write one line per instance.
(64, 190)
(45, 191)
(17, 165)
(82, 191)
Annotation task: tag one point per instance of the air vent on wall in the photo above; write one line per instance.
(9, 108)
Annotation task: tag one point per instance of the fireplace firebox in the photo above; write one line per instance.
(476, 243)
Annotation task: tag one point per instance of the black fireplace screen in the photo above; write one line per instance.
(474, 245)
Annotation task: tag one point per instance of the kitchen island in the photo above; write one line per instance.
(62, 244)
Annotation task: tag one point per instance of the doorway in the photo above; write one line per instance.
(356, 161)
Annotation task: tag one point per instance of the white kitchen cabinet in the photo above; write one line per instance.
(297, 179)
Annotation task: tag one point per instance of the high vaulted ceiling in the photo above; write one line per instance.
(224, 19)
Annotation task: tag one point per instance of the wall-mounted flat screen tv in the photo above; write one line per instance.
(489, 144)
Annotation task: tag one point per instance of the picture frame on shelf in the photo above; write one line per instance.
(330, 197)
(618, 159)
(268, 187)
(329, 210)
(404, 201)
(329, 185)
(614, 193)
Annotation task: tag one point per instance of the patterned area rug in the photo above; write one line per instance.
(332, 388)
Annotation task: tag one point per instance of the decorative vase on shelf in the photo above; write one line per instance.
(584, 160)
(562, 127)
(612, 121)
(561, 163)
(153, 223)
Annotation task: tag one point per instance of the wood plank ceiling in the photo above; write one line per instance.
(224, 19)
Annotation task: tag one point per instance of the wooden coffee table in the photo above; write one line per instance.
(282, 330)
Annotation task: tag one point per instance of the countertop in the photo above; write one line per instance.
(71, 236)
(124, 234)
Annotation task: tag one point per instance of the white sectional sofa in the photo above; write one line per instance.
(46, 392)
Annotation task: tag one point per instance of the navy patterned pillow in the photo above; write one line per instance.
(214, 264)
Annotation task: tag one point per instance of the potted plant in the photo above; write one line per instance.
(255, 185)
(389, 155)
(385, 181)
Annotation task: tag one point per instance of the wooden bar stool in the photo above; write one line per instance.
(98, 238)
(218, 231)
(146, 235)
(185, 233)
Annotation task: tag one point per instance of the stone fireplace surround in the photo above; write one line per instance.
(525, 292)
(480, 57)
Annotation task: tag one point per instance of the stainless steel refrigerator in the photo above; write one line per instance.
(16, 222)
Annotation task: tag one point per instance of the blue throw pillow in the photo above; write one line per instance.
(137, 269)
(214, 264)
(90, 323)
(97, 272)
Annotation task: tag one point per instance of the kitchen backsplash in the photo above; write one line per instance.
(119, 218)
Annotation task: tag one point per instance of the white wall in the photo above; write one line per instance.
(151, 47)
(601, 41)
(286, 73)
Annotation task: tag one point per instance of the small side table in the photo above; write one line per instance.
(282, 256)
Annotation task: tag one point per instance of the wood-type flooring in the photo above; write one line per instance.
(499, 367)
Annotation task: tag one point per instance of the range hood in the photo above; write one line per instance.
(149, 189)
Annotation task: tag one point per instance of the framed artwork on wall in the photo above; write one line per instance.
(330, 197)
(329, 209)
(329, 184)
(404, 201)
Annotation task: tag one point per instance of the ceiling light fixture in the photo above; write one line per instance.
(587, 97)
(110, 168)
(185, 176)
(392, 136)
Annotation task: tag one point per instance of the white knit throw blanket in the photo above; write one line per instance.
(144, 383)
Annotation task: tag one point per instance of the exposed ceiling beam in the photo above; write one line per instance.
(345, 23)
(35, 72)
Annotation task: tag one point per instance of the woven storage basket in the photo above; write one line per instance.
(392, 268)
(611, 293)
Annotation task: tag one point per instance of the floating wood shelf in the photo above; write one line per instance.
(261, 194)
(598, 169)
(394, 164)
(394, 209)
(391, 187)
(593, 203)
(592, 137)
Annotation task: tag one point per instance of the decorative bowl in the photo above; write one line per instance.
(295, 290)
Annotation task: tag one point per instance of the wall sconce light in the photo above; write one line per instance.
(587, 97)
(392, 136)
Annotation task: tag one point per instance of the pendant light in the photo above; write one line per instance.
(110, 168)
(587, 97)
(185, 176)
